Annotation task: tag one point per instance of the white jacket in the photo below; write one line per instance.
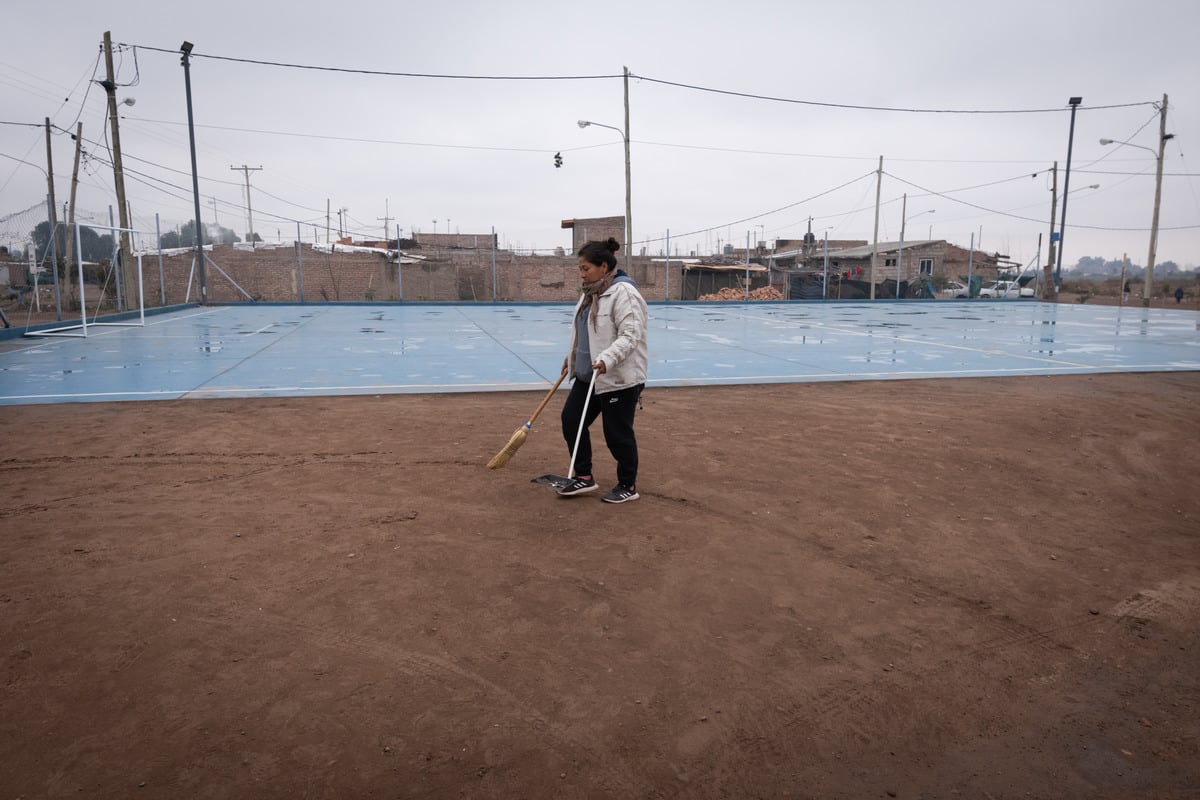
(618, 337)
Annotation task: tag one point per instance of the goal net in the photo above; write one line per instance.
(134, 315)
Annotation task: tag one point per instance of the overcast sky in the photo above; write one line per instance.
(710, 167)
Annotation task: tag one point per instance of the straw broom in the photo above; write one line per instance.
(519, 436)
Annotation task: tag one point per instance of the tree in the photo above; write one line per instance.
(226, 236)
(93, 246)
(186, 236)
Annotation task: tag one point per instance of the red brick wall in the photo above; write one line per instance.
(274, 275)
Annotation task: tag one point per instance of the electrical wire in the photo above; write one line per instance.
(830, 157)
(855, 107)
(386, 73)
(677, 84)
(763, 214)
(361, 140)
(945, 196)
(90, 83)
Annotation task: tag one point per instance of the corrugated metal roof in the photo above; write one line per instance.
(859, 252)
(882, 247)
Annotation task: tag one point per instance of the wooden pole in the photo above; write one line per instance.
(1162, 144)
(1049, 288)
(70, 254)
(628, 185)
(110, 87)
(875, 240)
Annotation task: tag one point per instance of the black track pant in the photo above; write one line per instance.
(617, 408)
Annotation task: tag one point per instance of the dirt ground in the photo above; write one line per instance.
(976, 588)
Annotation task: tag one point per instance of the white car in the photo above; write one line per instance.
(954, 291)
(1006, 289)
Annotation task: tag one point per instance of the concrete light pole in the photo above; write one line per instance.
(1163, 136)
(583, 123)
(185, 61)
(249, 211)
(1062, 225)
(900, 251)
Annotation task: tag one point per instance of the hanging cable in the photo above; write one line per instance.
(386, 73)
(945, 196)
(854, 107)
(763, 214)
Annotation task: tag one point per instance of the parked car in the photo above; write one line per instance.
(1006, 289)
(954, 291)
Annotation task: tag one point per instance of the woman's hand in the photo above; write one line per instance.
(599, 367)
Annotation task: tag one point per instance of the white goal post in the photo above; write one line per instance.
(81, 329)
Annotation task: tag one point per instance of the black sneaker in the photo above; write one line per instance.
(620, 494)
(577, 486)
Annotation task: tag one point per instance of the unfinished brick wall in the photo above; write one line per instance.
(451, 275)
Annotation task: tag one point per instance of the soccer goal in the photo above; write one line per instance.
(81, 329)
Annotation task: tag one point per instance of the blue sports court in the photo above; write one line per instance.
(265, 350)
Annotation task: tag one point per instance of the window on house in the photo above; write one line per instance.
(889, 262)
(926, 266)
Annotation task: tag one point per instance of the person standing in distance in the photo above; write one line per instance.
(608, 345)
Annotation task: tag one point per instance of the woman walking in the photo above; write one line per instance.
(608, 346)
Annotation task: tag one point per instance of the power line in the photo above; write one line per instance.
(946, 196)
(763, 214)
(854, 107)
(1145, 174)
(361, 140)
(694, 87)
(386, 73)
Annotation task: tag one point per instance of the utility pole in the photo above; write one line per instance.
(249, 213)
(1048, 288)
(53, 219)
(110, 88)
(50, 189)
(70, 254)
(875, 241)
(1124, 266)
(386, 219)
(185, 61)
(1162, 146)
(628, 184)
(900, 251)
(216, 221)
(1062, 225)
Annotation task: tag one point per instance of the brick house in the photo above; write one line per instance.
(922, 258)
(595, 229)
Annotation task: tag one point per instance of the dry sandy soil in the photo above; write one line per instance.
(976, 588)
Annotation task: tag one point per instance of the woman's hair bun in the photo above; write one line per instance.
(612, 244)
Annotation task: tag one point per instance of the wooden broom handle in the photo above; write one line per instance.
(546, 399)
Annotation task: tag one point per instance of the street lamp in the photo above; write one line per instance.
(583, 123)
(900, 251)
(29, 163)
(1062, 225)
(1158, 157)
